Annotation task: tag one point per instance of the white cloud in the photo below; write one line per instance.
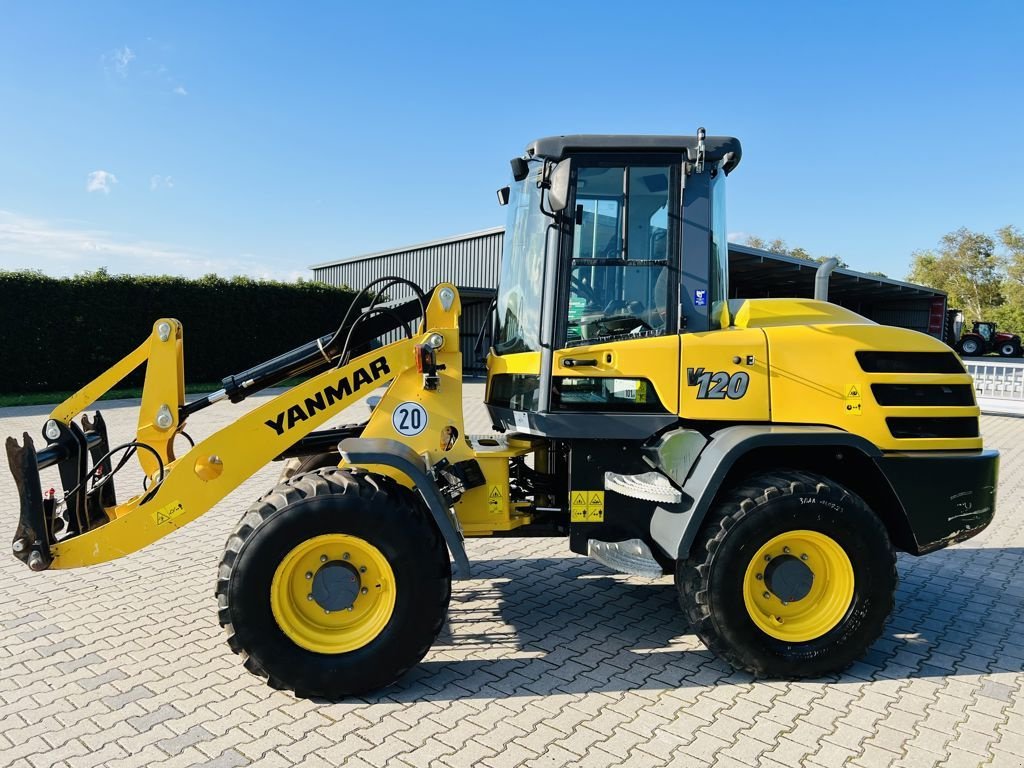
(119, 59)
(100, 181)
(180, 90)
(156, 181)
(67, 249)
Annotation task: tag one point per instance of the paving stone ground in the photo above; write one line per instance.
(549, 659)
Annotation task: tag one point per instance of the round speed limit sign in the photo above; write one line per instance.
(409, 419)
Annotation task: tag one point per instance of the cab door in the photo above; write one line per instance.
(617, 343)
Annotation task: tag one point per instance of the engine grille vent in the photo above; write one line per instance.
(909, 362)
(923, 394)
(903, 427)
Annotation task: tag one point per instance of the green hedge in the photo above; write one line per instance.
(59, 333)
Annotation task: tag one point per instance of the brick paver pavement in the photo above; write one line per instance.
(549, 659)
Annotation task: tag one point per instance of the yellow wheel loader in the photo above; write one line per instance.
(772, 454)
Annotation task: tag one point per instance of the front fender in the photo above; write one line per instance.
(378, 450)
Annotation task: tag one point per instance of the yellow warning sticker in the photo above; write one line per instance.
(853, 403)
(495, 499)
(587, 507)
(168, 512)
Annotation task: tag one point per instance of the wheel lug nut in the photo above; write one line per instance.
(309, 575)
(767, 558)
(767, 595)
(323, 558)
(349, 608)
(362, 569)
(803, 557)
(309, 596)
(327, 610)
(345, 556)
(786, 550)
(363, 591)
(785, 602)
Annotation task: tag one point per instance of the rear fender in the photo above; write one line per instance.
(675, 531)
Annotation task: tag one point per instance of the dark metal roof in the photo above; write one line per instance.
(754, 272)
(715, 147)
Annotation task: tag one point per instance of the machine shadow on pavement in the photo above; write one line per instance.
(569, 626)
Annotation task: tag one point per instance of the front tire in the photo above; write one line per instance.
(334, 584)
(793, 576)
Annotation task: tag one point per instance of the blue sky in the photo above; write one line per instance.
(258, 139)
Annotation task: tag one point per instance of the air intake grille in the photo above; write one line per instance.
(910, 362)
(912, 427)
(923, 394)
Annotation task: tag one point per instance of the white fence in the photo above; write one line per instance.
(999, 386)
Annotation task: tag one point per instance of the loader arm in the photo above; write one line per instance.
(193, 483)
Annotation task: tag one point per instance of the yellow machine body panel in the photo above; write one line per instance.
(653, 362)
(725, 376)
(765, 313)
(815, 377)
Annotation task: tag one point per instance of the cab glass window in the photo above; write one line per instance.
(618, 279)
(718, 283)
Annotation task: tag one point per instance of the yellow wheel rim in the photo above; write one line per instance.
(798, 586)
(333, 593)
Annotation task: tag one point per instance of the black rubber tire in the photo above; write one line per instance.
(710, 583)
(1009, 349)
(976, 343)
(372, 507)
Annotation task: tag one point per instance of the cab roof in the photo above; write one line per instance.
(715, 147)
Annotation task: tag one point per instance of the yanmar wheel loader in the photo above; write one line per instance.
(772, 455)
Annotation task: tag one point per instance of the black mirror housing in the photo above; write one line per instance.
(520, 168)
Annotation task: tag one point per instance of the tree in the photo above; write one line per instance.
(965, 266)
(1010, 316)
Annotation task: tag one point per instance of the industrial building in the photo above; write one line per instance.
(472, 262)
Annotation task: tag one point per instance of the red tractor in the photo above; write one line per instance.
(984, 338)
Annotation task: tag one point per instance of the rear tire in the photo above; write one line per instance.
(728, 590)
(385, 533)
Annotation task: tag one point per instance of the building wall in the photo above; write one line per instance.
(469, 261)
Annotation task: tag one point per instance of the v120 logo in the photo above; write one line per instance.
(718, 385)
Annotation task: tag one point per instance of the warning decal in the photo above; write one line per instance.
(587, 507)
(495, 499)
(168, 512)
(853, 401)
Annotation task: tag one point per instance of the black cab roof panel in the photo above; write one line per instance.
(715, 147)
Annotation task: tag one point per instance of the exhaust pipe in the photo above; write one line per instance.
(821, 278)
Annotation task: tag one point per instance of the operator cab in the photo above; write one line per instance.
(614, 246)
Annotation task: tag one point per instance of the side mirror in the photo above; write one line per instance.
(558, 191)
(503, 195)
(520, 168)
